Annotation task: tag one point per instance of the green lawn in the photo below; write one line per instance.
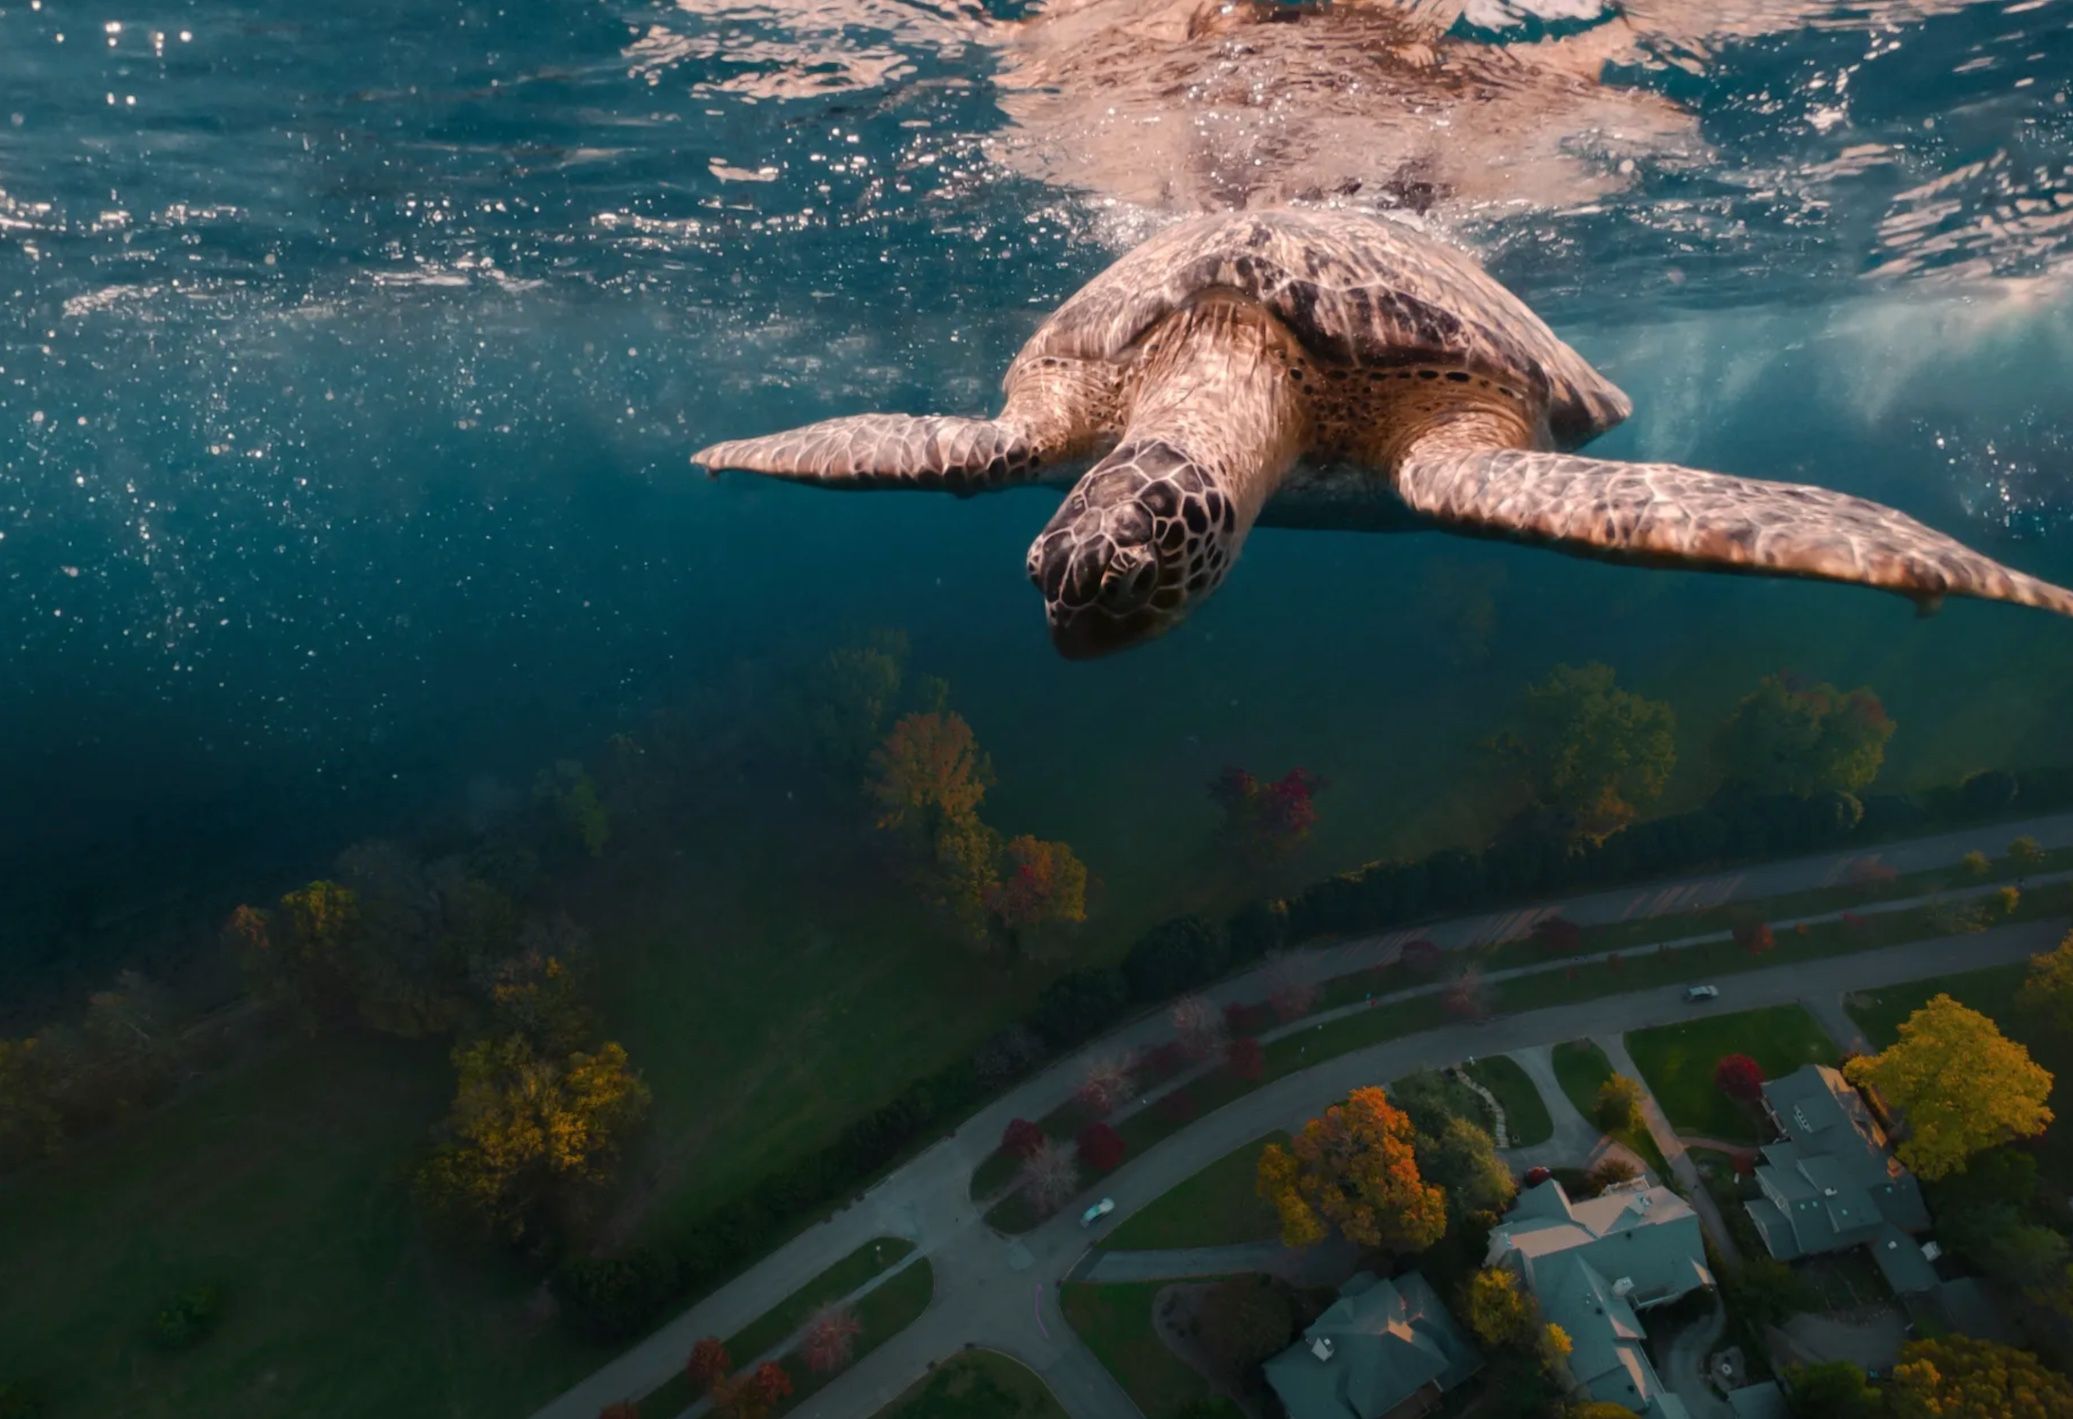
(1991, 992)
(1215, 1207)
(1525, 1112)
(286, 1182)
(1116, 1324)
(978, 1384)
(778, 1323)
(1676, 1062)
(1580, 1067)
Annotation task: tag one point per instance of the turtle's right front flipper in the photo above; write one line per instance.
(939, 453)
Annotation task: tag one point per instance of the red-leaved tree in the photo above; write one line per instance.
(1465, 998)
(708, 1364)
(1021, 1138)
(1558, 934)
(1244, 1057)
(830, 1339)
(1266, 821)
(1041, 883)
(773, 1381)
(1756, 937)
(1739, 1077)
(1198, 1026)
(1101, 1147)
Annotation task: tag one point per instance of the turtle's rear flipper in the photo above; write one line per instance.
(888, 451)
(1658, 514)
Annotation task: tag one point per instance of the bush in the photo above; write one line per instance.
(1078, 1006)
(1173, 957)
(1619, 1104)
(618, 1297)
(1101, 1148)
(187, 1319)
(1020, 1138)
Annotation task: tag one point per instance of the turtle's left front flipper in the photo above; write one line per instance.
(889, 451)
(1658, 514)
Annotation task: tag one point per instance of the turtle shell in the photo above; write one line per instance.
(1357, 290)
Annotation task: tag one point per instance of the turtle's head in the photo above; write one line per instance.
(1145, 536)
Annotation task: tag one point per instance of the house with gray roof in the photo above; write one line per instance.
(1830, 1182)
(1595, 1266)
(1383, 1348)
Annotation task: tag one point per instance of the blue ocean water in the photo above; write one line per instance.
(351, 357)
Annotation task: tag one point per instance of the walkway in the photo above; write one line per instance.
(1681, 1166)
(981, 1298)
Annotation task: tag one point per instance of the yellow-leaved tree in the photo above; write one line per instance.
(1956, 1375)
(1963, 1085)
(1354, 1169)
(524, 1125)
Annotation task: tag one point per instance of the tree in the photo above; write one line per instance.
(2026, 853)
(830, 1338)
(1610, 1171)
(1021, 1138)
(1049, 1176)
(1975, 864)
(1597, 1408)
(1497, 1309)
(1739, 1077)
(773, 1382)
(524, 1125)
(1101, 1148)
(1198, 1027)
(958, 876)
(1244, 1058)
(1589, 750)
(1174, 956)
(2047, 991)
(534, 993)
(708, 1364)
(1462, 1159)
(1756, 937)
(1618, 1108)
(298, 953)
(848, 697)
(1790, 738)
(1956, 1375)
(1355, 1169)
(571, 793)
(1836, 1390)
(1247, 1320)
(1963, 1085)
(1043, 884)
(1106, 1083)
(1266, 822)
(1465, 997)
(929, 772)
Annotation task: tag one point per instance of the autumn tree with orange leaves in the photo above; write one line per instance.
(1042, 884)
(1355, 1170)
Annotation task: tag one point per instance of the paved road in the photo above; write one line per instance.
(1684, 1367)
(983, 1296)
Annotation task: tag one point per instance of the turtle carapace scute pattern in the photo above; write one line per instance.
(1330, 369)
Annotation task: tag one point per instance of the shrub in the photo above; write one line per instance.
(1756, 937)
(1619, 1104)
(1021, 1138)
(1739, 1077)
(1101, 1148)
(617, 1297)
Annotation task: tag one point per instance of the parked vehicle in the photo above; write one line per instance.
(1098, 1211)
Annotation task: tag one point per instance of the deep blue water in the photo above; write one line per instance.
(351, 357)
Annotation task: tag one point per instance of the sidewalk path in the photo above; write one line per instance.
(1681, 1166)
(980, 1298)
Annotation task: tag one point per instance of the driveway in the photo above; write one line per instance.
(981, 1298)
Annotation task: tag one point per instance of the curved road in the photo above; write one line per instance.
(1003, 1292)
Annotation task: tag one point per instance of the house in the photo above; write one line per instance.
(1830, 1182)
(1383, 1348)
(1595, 1266)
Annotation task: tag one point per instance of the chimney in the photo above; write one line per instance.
(1623, 1287)
(1322, 1347)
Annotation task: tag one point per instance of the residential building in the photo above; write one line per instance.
(1595, 1266)
(1383, 1348)
(1830, 1182)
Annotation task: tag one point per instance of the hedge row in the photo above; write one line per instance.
(617, 1298)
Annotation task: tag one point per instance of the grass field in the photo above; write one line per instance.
(1116, 1324)
(977, 1384)
(1580, 1067)
(1525, 1112)
(781, 1320)
(1215, 1207)
(1991, 992)
(1676, 1061)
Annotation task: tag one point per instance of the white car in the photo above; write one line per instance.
(1098, 1211)
(1701, 992)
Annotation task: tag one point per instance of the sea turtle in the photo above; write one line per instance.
(1319, 368)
